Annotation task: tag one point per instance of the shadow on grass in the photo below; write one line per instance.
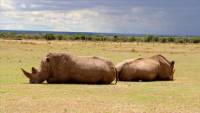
(149, 81)
(73, 83)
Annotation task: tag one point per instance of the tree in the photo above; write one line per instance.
(115, 38)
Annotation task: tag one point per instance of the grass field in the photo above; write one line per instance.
(179, 96)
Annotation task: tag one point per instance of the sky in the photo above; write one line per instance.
(108, 16)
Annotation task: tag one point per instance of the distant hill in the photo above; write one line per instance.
(87, 33)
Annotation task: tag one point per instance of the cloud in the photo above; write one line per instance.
(84, 20)
(6, 5)
(149, 16)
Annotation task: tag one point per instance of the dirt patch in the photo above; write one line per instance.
(31, 43)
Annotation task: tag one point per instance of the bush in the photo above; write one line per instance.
(171, 39)
(50, 37)
(195, 40)
(163, 40)
(115, 38)
(148, 38)
(151, 38)
(180, 40)
(99, 37)
(156, 39)
(76, 38)
(60, 37)
(131, 39)
(82, 37)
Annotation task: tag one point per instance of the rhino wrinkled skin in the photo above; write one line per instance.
(156, 67)
(66, 68)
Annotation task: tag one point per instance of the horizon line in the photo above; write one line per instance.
(111, 33)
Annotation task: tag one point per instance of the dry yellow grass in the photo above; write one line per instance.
(179, 96)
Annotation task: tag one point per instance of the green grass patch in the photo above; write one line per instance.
(179, 96)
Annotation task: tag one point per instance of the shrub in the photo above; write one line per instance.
(151, 38)
(115, 38)
(155, 38)
(60, 37)
(50, 37)
(171, 39)
(163, 40)
(195, 40)
(131, 39)
(99, 37)
(83, 37)
(148, 38)
(180, 40)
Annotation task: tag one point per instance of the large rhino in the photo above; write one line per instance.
(146, 69)
(66, 68)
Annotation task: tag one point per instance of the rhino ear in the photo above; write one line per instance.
(27, 74)
(172, 64)
(34, 70)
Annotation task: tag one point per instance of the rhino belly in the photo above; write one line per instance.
(146, 73)
(89, 74)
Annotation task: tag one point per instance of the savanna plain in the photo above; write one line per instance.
(18, 96)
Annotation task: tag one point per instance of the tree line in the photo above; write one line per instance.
(98, 37)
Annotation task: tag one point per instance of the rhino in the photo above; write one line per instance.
(67, 68)
(156, 67)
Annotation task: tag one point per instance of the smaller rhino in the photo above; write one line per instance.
(146, 69)
(66, 68)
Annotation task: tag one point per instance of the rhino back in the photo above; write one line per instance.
(81, 69)
(143, 69)
(90, 69)
(121, 64)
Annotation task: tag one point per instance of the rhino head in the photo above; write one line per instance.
(34, 77)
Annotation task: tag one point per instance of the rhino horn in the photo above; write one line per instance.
(27, 74)
(34, 70)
